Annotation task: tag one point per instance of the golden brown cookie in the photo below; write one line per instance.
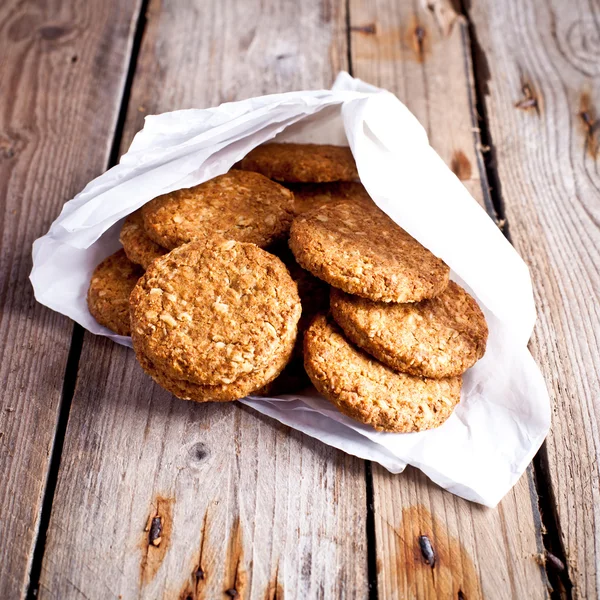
(370, 392)
(360, 250)
(239, 205)
(308, 196)
(302, 162)
(108, 294)
(243, 386)
(139, 248)
(213, 310)
(440, 337)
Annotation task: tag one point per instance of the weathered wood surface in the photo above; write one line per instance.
(423, 56)
(247, 506)
(62, 72)
(540, 69)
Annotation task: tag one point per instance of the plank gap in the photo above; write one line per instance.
(493, 192)
(72, 368)
(67, 394)
(373, 589)
(140, 28)
(349, 38)
(371, 542)
(560, 580)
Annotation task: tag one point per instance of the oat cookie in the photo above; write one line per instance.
(308, 196)
(440, 337)
(360, 250)
(302, 162)
(139, 248)
(243, 386)
(213, 310)
(239, 205)
(108, 294)
(370, 392)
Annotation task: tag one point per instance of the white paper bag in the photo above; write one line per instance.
(504, 413)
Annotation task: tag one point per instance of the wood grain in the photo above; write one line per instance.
(543, 103)
(62, 73)
(423, 55)
(243, 506)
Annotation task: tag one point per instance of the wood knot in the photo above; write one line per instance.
(529, 101)
(427, 550)
(154, 536)
(157, 535)
(419, 35)
(369, 29)
(583, 45)
(53, 32)
(232, 593)
(590, 124)
(461, 166)
(417, 39)
(198, 452)
(10, 145)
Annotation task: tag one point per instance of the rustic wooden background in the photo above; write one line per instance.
(91, 450)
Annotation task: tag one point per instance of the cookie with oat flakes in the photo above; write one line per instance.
(139, 248)
(440, 337)
(212, 311)
(368, 391)
(359, 249)
(299, 163)
(239, 205)
(108, 294)
(252, 383)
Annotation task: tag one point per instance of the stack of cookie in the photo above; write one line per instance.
(399, 335)
(216, 304)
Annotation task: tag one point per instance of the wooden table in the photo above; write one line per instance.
(91, 450)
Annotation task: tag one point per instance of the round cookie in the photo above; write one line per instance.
(308, 196)
(243, 386)
(239, 205)
(306, 163)
(359, 249)
(440, 337)
(211, 311)
(108, 294)
(139, 248)
(370, 392)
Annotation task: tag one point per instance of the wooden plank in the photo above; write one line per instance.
(246, 505)
(543, 104)
(422, 54)
(61, 92)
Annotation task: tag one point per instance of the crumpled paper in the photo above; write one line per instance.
(504, 413)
